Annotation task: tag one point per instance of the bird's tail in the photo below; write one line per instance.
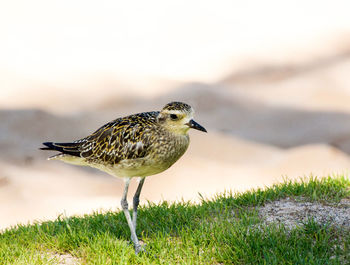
(64, 148)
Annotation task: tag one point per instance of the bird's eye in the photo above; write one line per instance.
(173, 117)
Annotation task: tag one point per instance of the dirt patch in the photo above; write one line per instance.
(65, 259)
(292, 213)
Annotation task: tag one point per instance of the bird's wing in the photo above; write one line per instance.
(124, 138)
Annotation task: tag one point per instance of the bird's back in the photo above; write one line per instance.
(123, 138)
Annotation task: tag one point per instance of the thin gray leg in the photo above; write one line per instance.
(136, 201)
(124, 204)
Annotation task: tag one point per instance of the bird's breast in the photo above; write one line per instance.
(164, 154)
(169, 151)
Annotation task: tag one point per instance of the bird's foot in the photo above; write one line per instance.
(140, 248)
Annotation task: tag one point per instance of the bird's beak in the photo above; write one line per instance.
(194, 125)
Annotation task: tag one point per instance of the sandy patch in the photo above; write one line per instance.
(292, 213)
(63, 259)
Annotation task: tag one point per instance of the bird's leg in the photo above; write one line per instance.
(136, 201)
(124, 204)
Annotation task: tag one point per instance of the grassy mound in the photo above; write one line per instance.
(224, 230)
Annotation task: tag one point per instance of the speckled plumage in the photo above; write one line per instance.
(138, 145)
(127, 143)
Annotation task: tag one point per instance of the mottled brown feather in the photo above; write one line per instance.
(123, 138)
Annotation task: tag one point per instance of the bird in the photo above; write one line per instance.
(138, 145)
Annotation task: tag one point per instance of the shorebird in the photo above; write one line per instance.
(138, 145)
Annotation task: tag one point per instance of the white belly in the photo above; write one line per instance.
(124, 169)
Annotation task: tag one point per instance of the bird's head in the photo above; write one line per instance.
(177, 117)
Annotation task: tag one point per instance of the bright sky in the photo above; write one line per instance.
(59, 41)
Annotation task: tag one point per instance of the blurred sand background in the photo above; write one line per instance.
(270, 80)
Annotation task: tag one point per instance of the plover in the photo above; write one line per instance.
(138, 145)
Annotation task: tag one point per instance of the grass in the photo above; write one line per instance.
(223, 230)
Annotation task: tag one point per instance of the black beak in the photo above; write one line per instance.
(194, 125)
